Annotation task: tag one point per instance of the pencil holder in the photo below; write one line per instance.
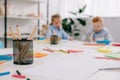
(22, 52)
(54, 39)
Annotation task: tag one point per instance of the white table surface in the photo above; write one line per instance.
(61, 66)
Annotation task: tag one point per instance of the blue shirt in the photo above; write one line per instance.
(52, 30)
(91, 34)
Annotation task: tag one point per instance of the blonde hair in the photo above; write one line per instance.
(97, 19)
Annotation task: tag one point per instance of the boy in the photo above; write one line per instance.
(98, 31)
(56, 28)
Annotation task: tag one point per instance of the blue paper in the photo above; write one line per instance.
(5, 57)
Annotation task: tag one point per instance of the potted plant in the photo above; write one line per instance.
(67, 23)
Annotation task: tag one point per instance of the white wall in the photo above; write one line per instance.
(113, 24)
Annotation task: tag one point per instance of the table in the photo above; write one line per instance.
(62, 66)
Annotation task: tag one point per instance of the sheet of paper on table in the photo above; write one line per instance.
(6, 51)
(108, 74)
(72, 67)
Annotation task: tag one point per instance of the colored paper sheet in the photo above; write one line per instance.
(5, 58)
(113, 55)
(39, 55)
(103, 50)
(1, 62)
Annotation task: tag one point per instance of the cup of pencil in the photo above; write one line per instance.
(23, 56)
(22, 48)
(54, 39)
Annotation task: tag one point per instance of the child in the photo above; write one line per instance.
(98, 31)
(56, 28)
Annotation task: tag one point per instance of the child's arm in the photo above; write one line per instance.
(108, 35)
(49, 33)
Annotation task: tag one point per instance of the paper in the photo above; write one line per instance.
(72, 67)
(6, 51)
(103, 50)
(1, 68)
(39, 55)
(1, 62)
(113, 55)
(5, 58)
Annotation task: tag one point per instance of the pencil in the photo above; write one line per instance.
(13, 35)
(18, 32)
(33, 33)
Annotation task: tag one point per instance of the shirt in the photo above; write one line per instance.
(91, 35)
(52, 30)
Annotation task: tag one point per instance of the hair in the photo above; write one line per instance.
(97, 19)
(55, 16)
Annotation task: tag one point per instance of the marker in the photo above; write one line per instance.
(18, 72)
(4, 73)
(117, 68)
(19, 76)
(28, 79)
(74, 51)
(63, 51)
(107, 58)
(49, 50)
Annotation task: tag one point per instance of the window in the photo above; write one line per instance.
(104, 8)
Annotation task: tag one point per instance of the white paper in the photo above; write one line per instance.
(6, 51)
(72, 67)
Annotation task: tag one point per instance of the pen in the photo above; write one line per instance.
(117, 68)
(107, 58)
(18, 72)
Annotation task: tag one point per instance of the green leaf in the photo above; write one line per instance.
(66, 25)
(81, 21)
(67, 28)
(81, 10)
(71, 21)
(64, 21)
